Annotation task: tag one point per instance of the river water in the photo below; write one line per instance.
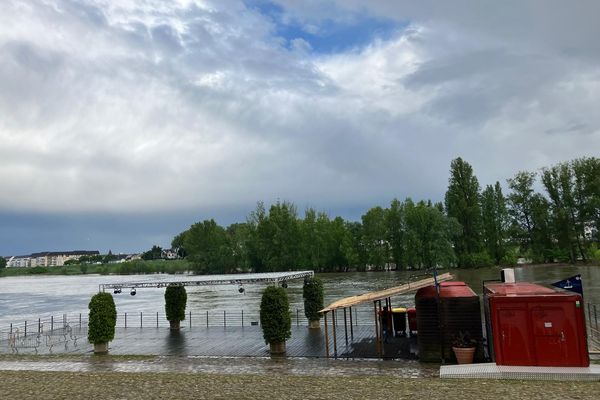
(32, 297)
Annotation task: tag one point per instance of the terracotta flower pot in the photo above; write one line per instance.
(464, 355)
(277, 347)
(101, 348)
(315, 324)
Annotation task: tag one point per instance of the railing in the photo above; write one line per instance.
(145, 319)
(593, 326)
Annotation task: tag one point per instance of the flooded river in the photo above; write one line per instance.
(31, 297)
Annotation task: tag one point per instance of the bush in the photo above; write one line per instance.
(175, 302)
(102, 318)
(313, 298)
(477, 260)
(275, 315)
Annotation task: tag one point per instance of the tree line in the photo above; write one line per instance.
(471, 228)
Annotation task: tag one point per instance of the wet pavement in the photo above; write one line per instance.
(223, 365)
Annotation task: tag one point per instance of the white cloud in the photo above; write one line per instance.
(163, 105)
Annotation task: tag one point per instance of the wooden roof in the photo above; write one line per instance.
(383, 294)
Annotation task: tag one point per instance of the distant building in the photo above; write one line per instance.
(48, 258)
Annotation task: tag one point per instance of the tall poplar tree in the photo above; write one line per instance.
(462, 203)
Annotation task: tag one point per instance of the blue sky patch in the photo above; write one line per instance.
(330, 36)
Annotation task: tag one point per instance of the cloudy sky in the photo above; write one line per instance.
(124, 121)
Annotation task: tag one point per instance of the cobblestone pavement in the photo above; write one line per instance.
(149, 386)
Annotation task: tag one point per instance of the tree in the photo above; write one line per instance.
(175, 302)
(208, 247)
(153, 254)
(312, 292)
(101, 321)
(495, 221)
(2, 262)
(275, 318)
(278, 238)
(396, 229)
(374, 238)
(462, 203)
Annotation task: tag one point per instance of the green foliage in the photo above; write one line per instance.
(102, 318)
(175, 302)
(155, 253)
(312, 292)
(462, 203)
(2, 263)
(275, 317)
(37, 270)
(495, 221)
(477, 260)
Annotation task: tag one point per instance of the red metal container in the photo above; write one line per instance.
(412, 320)
(533, 325)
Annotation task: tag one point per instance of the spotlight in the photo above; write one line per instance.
(284, 285)
(133, 292)
(117, 291)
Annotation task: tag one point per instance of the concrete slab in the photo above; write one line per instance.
(493, 371)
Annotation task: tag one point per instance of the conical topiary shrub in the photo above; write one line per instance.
(102, 321)
(175, 303)
(275, 318)
(313, 301)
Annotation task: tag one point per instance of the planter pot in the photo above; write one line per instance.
(316, 324)
(277, 347)
(464, 355)
(101, 348)
(175, 325)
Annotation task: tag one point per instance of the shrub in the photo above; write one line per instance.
(275, 315)
(102, 318)
(313, 298)
(175, 302)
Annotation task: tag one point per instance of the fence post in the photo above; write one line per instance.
(39, 325)
(589, 313)
(52, 322)
(595, 317)
(242, 318)
(79, 320)
(207, 318)
(297, 317)
(64, 320)
(157, 319)
(11, 328)
(190, 320)
(125, 320)
(25, 329)
(224, 319)
(141, 320)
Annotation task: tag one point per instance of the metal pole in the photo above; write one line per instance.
(141, 320)
(11, 328)
(297, 317)
(190, 320)
(334, 335)
(125, 320)
(377, 345)
(326, 336)
(595, 317)
(207, 318)
(589, 313)
(79, 320)
(25, 329)
(52, 322)
(345, 327)
(242, 318)
(39, 325)
(351, 330)
(224, 319)
(356, 316)
(157, 319)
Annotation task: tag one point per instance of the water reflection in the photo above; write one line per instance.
(30, 297)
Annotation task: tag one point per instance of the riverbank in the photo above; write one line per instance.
(148, 386)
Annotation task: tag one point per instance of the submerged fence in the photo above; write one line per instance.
(593, 326)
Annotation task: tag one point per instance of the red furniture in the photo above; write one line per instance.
(412, 320)
(533, 325)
